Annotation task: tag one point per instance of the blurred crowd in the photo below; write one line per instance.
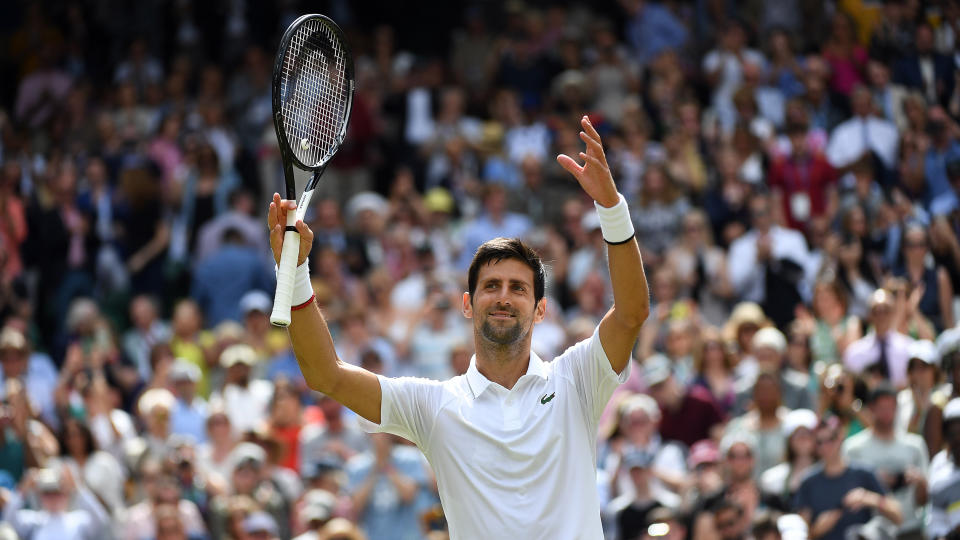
(793, 169)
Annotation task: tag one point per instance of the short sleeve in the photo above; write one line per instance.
(408, 408)
(587, 365)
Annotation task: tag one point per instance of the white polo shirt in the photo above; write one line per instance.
(517, 463)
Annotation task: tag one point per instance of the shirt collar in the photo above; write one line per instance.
(478, 383)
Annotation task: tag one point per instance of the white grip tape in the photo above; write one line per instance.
(615, 222)
(285, 274)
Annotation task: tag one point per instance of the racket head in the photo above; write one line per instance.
(313, 85)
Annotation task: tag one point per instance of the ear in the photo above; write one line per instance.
(466, 307)
(540, 311)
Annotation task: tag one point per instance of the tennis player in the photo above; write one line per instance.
(512, 441)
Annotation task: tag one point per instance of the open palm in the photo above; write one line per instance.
(594, 176)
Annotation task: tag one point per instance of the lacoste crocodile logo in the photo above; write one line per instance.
(546, 399)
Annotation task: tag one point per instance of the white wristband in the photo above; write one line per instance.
(302, 287)
(615, 222)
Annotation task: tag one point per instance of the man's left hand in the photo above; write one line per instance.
(594, 176)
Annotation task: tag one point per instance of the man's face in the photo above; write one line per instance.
(884, 412)
(503, 307)
(13, 361)
(728, 522)
(740, 461)
(828, 442)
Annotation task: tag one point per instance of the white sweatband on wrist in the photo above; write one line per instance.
(302, 287)
(615, 222)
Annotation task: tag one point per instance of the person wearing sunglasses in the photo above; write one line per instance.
(838, 495)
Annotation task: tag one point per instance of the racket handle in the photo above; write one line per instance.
(285, 274)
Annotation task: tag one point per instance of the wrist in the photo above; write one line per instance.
(615, 222)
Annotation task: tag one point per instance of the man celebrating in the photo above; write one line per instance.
(512, 440)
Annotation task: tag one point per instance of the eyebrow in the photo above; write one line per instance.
(511, 281)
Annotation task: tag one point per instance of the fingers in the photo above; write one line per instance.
(306, 233)
(570, 165)
(593, 160)
(588, 127)
(278, 210)
(592, 144)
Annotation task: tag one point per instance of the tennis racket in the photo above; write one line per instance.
(312, 96)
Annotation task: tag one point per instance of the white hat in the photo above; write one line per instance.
(948, 341)
(366, 200)
(792, 527)
(952, 410)
(799, 418)
(183, 370)
(924, 349)
(239, 353)
(770, 337)
(255, 301)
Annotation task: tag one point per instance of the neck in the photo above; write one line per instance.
(834, 466)
(503, 364)
(885, 433)
(768, 415)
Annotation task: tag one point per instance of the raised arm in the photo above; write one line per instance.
(354, 387)
(631, 298)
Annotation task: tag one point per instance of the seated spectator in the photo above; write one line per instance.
(781, 482)
(766, 263)
(161, 489)
(339, 438)
(244, 399)
(34, 370)
(189, 414)
(883, 352)
(633, 510)
(387, 482)
(98, 470)
(687, 416)
(899, 460)
(944, 480)
(919, 406)
(769, 347)
(713, 365)
(764, 420)
(54, 489)
(837, 496)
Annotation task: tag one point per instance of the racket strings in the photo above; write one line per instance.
(314, 92)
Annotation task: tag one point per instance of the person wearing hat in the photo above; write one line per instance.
(780, 482)
(33, 369)
(769, 346)
(632, 510)
(839, 495)
(687, 415)
(246, 400)
(898, 459)
(54, 488)
(919, 405)
(249, 478)
(189, 414)
(260, 526)
(884, 352)
(266, 339)
(491, 435)
(944, 479)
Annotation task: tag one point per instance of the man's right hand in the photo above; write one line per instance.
(277, 222)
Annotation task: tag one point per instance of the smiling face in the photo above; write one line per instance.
(503, 307)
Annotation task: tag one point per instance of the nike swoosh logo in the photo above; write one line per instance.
(546, 399)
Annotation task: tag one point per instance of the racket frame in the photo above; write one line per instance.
(290, 252)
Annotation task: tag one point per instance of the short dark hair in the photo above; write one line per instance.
(501, 248)
(883, 390)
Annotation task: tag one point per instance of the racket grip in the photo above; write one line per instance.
(285, 274)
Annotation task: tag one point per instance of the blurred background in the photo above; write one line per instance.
(792, 166)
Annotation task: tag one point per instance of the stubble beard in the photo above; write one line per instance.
(503, 335)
